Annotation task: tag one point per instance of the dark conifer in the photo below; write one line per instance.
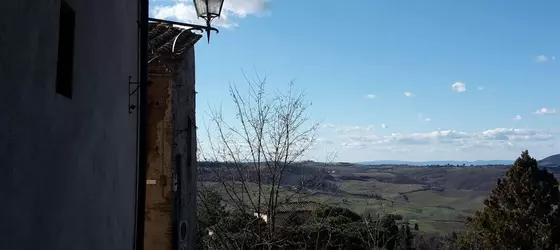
(521, 212)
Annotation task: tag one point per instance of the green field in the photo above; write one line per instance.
(437, 199)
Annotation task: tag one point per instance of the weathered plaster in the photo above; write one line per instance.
(185, 146)
(172, 150)
(159, 196)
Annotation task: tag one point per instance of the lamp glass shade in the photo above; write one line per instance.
(208, 9)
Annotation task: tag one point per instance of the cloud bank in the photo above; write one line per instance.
(545, 111)
(490, 142)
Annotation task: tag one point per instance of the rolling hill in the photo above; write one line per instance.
(441, 163)
(436, 196)
(552, 163)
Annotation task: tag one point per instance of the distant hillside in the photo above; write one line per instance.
(552, 161)
(441, 163)
(312, 174)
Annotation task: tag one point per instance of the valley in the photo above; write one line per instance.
(437, 198)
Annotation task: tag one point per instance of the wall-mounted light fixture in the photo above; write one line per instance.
(205, 9)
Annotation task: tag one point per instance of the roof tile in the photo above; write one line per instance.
(169, 42)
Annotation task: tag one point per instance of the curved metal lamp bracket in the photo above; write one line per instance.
(208, 29)
(200, 28)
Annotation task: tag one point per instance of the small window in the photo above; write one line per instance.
(65, 63)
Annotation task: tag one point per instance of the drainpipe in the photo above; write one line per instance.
(143, 15)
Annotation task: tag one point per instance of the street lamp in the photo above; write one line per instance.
(205, 9)
(208, 10)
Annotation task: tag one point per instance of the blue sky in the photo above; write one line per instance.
(483, 75)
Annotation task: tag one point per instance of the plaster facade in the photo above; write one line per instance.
(68, 166)
(185, 152)
(171, 186)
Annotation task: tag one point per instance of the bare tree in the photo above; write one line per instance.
(270, 135)
(255, 161)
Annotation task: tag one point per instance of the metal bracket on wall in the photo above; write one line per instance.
(131, 92)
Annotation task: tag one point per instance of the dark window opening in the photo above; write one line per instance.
(65, 63)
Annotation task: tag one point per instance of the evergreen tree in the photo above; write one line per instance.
(210, 212)
(390, 231)
(416, 227)
(520, 213)
(405, 238)
(209, 208)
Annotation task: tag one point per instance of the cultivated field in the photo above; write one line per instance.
(436, 198)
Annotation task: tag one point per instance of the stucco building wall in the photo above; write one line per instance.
(184, 150)
(171, 188)
(67, 165)
(159, 193)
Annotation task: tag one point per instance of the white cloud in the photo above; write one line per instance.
(442, 144)
(354, 129)
(517, 118)
(545, 111)
(480, 88)
(453, 138)
(321, 140)
(370, 96)
(541, 58)
(183, 11)
(242, 8)
(425, 119)
(408, 94)
(345, 129)
(511, 134)
(362, 143)
(384, 125)
(396, 149)
(327, 125)
(459, 87)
